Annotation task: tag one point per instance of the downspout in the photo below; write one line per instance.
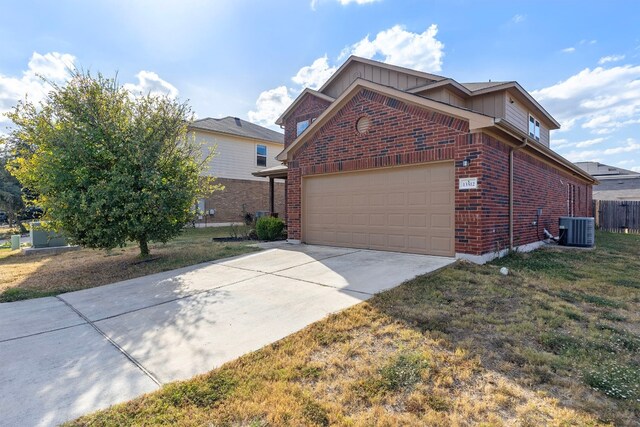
(511, 151)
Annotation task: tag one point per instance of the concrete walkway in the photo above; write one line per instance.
(65, 356)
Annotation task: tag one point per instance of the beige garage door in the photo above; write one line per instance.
(404, 209)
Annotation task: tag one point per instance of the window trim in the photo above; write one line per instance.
(262, 157)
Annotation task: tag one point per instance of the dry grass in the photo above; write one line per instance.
(23, 277)
(466, 346)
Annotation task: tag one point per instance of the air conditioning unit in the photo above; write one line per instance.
(260, 214)
(577, 231)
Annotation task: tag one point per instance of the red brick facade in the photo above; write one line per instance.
(253, 195)
(403, 134)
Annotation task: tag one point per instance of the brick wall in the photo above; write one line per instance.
(538, 185)
(309, 108)
(402, 134)
(253, 194)
(482, 215)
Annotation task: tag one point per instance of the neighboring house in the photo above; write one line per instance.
(389, 158)
(614, 183)
(241, 148)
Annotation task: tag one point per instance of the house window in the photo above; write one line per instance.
(261, 155)
(534, 128)
(302, 126)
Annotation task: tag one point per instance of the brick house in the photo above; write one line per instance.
(389, 158)
(241, 148)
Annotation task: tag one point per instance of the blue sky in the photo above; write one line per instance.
(580, 59)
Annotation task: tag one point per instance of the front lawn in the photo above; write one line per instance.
(23, 277)
(556, 342)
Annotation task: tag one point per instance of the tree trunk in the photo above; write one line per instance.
(144, 247)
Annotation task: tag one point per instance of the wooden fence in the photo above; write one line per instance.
(618, 216)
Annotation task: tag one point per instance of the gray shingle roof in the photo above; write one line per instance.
(481, 85)
(601, 170)
(235, 126)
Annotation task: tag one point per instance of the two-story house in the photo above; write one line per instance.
(390, 158)
(241, 148)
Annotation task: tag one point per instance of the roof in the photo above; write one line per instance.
(238, 127)
(480, 88)
(481, 85)
(604, 171)
(630, 194)
(279, 171)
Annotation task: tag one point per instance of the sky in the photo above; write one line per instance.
(250, 59)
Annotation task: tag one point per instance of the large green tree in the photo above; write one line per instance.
(109, 167)
(10, 190)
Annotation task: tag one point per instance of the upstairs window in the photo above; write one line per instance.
(302, 126)
(534, 128)
(261, 155)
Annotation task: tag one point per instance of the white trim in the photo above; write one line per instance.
(483, 259)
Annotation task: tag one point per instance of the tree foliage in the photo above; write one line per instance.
(109, 167)
(10, 191)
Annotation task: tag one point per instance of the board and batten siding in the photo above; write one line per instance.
(235, 156)
(518, 115)
(443, 95)
(374, 74)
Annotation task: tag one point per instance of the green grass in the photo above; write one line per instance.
(35, 276)
(555, 342)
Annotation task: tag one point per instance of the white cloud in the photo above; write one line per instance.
(419, 51)
(610, 58)
(629, 146)
(151, 83)
(53, 67)
(57, 68)
(569, 49)
(626, 162)
(589, 142)
(636, 168)
(314, 3)
(270, 104)
(602, 99)
(314, 75)
(518, 18)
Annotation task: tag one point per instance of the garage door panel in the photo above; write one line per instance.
(406, 209)
(397, 220)
(441, 198)
(441, 221)
(417, 220)
(418, 198)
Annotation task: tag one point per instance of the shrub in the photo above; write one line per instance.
(269, 228)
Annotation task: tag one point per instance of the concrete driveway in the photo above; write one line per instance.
(65, 356)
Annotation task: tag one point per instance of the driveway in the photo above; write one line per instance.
(65, 356)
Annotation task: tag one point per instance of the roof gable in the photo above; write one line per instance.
(377, 72)
(476, 120)
(294, 104)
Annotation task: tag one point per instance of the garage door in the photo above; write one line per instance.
(403, 209)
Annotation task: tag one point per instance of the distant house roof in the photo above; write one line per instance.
(601, 170)
(235, 126)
